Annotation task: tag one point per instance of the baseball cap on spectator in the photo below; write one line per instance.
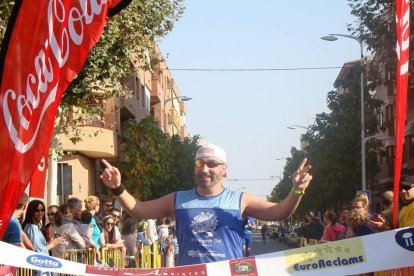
(216, 152)
(406, 182)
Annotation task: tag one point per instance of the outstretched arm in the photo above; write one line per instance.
(264, 210)
(157, 208)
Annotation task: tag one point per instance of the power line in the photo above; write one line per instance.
(252, 69)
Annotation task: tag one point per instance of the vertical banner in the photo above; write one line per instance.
(38, 179)
(45, 46)
(402, 9)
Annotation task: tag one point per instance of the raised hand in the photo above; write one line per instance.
(301, 178)
(110, 175)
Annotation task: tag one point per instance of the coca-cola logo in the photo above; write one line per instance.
(403, 42)
(24, 111)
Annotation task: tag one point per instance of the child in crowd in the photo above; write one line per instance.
(85, 230)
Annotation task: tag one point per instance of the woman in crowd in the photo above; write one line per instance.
(33, 222)
(110, 237)
(333, 228)
(92, 206)
(64, 227)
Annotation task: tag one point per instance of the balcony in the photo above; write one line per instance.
(96, 143)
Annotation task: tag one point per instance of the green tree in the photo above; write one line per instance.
(376, 26)
(157, 163)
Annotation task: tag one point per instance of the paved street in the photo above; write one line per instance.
(258, 247)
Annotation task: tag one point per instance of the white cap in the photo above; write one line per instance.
(216, 152)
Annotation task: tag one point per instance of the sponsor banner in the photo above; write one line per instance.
(402, 12)
(44, 48)
(20, 257)
(7, 271)
(376, 252)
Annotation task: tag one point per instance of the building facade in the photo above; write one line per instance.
(151, 91)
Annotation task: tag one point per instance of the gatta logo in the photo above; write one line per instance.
(43, 261)
(405, 238)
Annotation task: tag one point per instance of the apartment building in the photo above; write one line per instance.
(152, 91)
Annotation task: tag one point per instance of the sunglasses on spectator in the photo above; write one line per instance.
(109, 223)
(51, 214)
(40, 210)
(115, 216)
(404, 188)
(108, 205)
(210, 163)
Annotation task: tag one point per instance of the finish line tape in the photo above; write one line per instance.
(376, 252)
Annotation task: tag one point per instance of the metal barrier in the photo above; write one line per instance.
(18, 271)
(84, 256)
(113, 257)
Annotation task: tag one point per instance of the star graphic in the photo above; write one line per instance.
(347, 250)
(338, 249)
(319, 251)
(307, 256)
(328, 249)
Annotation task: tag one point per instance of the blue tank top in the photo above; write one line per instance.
(209, 229)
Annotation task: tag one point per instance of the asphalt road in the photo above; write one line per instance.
(258, 247)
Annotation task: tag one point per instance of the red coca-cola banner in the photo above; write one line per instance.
(402, 9)
(38, 179)
(45, 46)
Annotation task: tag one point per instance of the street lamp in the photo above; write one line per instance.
(179, 98)
(297, 126)
(333, 37)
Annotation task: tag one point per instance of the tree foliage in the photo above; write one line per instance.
(157, 163)
(376, 26)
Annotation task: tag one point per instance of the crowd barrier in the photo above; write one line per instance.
(386, 253)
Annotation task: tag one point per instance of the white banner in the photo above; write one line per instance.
(376, 252)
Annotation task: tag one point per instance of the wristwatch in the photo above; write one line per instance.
(298, 191)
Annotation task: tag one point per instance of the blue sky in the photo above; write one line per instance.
(247, 113)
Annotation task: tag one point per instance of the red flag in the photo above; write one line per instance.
(45, 46)
(38, 179)
(402, 9)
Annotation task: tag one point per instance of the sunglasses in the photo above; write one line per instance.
(109, 224)
(405, 188)
(210, 163)
(51, 214)
(108, 205)
(40, 210)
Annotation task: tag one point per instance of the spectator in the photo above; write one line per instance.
(116, 214)
(35, 218)
(86, 231)
(358, 219)
(14, 231)
(92, 206)
(209, 211)
(106, 209)
(142, 226)
(63, 227)
(358, 224)
(111, 240)
(248, 233)
(51, 211)
(316, 228)
(263, 231)
(383, 221)
(333, 228)
(363, 196)
(75, 209)
(129, 234)
(406, 194)
(151, 231)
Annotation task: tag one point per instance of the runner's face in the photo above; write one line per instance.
(206, 177)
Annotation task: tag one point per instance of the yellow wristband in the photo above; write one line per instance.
(298, 191)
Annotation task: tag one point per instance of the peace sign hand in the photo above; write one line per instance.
(110, 175)
(301, 178)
